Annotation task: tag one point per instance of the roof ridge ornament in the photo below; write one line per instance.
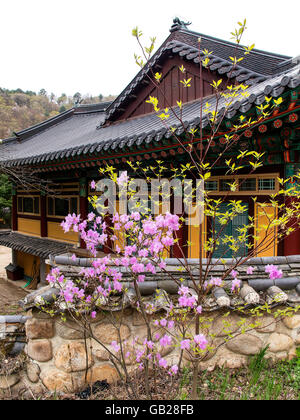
(179, 24)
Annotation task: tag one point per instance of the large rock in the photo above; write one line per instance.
(37, 328)
(106, 332)
(137, 319)
(101, 373)
(297, 339)
(101, 354)
(58, 381)
(279, 342)
(42, 296)
(7, 381)
(37, 313)
(232, 361)
(140, 333)
(246, 344)
(69, 330)
(33, 372)
(223, 326)
(72, 357)
(265, 324)
(40, 350)
(292, 321)
(249, 295)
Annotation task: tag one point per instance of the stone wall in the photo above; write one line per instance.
(58, 357)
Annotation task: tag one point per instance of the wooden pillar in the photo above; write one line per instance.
(44, 229)
(14, 257)
(14, 216)
(42, 272)
(291, 242)
(83, 203)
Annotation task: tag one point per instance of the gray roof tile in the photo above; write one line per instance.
(77, 133)
(40, 247)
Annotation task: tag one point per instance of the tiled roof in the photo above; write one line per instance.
(77, 134)
(40, 247)
(256, 67)
(158, 290)
(81, 130)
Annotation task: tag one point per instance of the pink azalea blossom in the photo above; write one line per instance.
(201, 341)
(171, 324)
(149, 227)
(183, 290)
(162, 265)
(250, 270)
(215, 281)
(123, 179)
(135, 216)
(235, 285)
(185, 344)
(165, 341)
(163, 363)
(115, 346)
(163, 322)
(138, 268)
(173, 370)
(274, 272)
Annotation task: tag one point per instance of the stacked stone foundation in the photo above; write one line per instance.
(61, 360)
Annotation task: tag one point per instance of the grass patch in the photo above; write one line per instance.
(259, 381)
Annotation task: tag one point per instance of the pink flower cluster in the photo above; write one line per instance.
(150, 238)
(149, 351)
(186, 299)
(199, 341)
(273, 271)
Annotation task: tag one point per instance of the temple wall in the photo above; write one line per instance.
(29, 263)
(29, 226)
(55, 231)
(57, 357)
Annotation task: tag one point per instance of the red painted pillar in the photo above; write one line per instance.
(14, 216)
(292, 241)
(44, 229)
(182, 234)
(83, 204)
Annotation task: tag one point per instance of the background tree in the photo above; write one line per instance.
(42, 92)
(77, 98)
(5, 198)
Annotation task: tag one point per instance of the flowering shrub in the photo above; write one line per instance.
(97, 284)
(138, 243)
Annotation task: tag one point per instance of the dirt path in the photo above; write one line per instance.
(10, 293)
(5, 259)
(9, 297)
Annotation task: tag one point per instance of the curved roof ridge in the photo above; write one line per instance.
(230, 43)
(140, 130)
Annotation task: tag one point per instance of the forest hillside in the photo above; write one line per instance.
(21, 109)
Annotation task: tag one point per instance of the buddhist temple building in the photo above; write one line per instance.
(69, 149)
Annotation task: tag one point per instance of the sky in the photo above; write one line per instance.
(68, 46)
